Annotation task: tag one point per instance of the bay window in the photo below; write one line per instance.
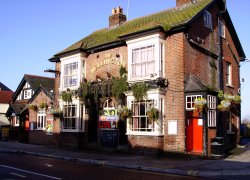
(145, 58)
(139, 123)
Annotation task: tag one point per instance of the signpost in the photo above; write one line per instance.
(108, 128)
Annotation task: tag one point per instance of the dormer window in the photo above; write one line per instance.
(208, 20)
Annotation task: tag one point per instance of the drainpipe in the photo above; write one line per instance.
(221, 80)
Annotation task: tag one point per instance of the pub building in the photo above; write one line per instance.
(153, 84)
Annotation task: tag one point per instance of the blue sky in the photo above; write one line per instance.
(32, 31)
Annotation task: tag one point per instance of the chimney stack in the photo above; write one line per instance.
(182, 2)
(117, 17)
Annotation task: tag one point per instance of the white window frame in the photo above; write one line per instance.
(222, 29)
(69, 116)
(155, 40)
(71, 78)
(41, 119)
(211, 102)
(27, 93)
(211, 118)
(79, 73)
(158, 102)
(228, 74)
(139, 119)
(143, 61)
(191, 102)
(208, 19)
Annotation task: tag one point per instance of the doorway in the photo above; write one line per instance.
(194, 131)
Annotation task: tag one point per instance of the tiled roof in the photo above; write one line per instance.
(194, 84)
(18, 107)
(5, 96)
(39, 81)
(167, 20)
(3, 87)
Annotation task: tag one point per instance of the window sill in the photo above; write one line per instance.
(229, 86)
(136, 133)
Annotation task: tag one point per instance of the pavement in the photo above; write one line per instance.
(235, 166)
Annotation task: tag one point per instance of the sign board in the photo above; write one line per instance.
(108, 119)
(5, 133)
(109, 138)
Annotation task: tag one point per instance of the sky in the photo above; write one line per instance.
(32, 31)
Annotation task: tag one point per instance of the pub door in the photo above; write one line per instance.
(194, 140)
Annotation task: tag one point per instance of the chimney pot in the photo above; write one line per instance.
(182, 2)
(113, 11)
(117, 17)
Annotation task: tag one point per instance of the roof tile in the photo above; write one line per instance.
(167, 19)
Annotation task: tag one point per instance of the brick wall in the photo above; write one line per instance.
(174, 101)
(101, 64)
(211, 135)
(145, 144)
(40, 136)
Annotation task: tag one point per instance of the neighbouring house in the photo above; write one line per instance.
(43, 130)
(18, 111)
(5, 97)
(167, 82)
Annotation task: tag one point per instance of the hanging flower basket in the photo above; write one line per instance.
(57, 113)
(153, 115)
(200, 104)
(125, 113)
(33, 107)
(43, 105)
(224, 106)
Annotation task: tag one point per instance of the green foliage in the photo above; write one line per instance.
(125, 113)
(43, 105)
(153, 115)
(84, 90)
(33, 107)
(119, 86)
(123, 71)
(140, 90)
(166, 19)
(57, 113)
(220, 95)
(66, 96)
(227, 100)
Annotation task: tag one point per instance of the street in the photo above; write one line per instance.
(19, 166)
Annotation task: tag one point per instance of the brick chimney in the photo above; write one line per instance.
(182, 2)
(117, 17)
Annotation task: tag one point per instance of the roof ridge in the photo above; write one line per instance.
(168, 19)
(30, 75)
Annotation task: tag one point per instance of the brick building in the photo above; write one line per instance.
(19, 110)
(176, 59)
